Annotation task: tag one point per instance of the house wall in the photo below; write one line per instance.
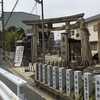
(92, 26)
(93, 31)
(93, 35)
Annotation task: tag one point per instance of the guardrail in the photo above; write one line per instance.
(6, 93)
(13, 78)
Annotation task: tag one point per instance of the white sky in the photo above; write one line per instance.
(57, 8)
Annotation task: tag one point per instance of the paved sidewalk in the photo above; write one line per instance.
(26, 75)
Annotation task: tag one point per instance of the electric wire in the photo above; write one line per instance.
(33, 8)
(11, 12)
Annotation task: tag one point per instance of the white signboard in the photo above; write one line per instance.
(18, 55)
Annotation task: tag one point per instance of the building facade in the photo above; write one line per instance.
(17, 19)
(92, 27)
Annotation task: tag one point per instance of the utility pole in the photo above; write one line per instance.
(2, 4)
(2, 30)
(43, 38)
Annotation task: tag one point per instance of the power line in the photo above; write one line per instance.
(11, 12)
(43, 38)
(33, 8)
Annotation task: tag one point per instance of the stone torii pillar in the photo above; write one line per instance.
(65, 45)
(34, 43)
(85, 46)
(48, 34)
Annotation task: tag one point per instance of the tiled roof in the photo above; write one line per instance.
(93, 18)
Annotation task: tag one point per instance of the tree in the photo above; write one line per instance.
(85, 45)
(12, 34)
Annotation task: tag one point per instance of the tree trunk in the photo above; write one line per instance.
(85, 46)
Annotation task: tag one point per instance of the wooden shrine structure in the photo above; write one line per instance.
(70, 22)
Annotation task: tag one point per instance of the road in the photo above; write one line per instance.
(25, 90)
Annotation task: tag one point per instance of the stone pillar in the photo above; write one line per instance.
(65, 45)
(34, 43)
(49, 35)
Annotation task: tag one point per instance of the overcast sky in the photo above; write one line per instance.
(56, 8)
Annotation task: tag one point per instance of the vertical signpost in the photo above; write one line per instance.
(37, 71)
(69, 81)
(88, 85)
(97, 87)
(44, 71)
(62, 79)
(55, 77)
(49, 76)
(78, 84)
(40, 72)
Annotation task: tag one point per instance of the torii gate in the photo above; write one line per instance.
(48, 23)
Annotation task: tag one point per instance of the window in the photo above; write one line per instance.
(75, 77)
(98, 89)
(98, 82)
(95, 28)
(72, 33)
(63, 39)
(76, 82)
(77, 35)
(93, 46)
(98, 95)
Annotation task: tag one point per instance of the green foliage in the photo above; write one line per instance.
(11, 36)
(9, 40)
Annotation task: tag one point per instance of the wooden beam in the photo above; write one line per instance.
(63, 27)
(56, 20)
